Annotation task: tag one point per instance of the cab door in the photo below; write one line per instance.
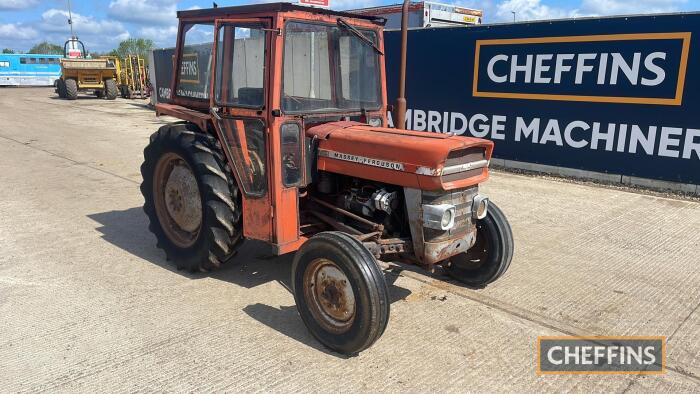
(239, 106)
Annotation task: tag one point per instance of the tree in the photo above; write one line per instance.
(8, 50)
(134, 46)
(46, 48)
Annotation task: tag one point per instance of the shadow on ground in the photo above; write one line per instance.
(252, 266)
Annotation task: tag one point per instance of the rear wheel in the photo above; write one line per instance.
(340, 292)
(490, 256)
(191, 201)
(111, 90)
(71, 89)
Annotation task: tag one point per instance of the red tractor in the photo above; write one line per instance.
(283, 139)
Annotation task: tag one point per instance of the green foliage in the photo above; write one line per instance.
(46, 48)
(133, 46)
(8, 50)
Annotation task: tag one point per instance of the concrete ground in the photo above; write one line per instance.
(87, 302)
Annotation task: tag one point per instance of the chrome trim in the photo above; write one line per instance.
(465, 167)
(476, 202)
(433, 215)
(368, 161)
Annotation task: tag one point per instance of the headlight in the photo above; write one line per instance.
(480, 206)
(439, 217)
(447, 218)
(375, 122)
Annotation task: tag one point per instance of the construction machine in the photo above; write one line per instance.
(283, 138)
(79, 73)
(133, 77)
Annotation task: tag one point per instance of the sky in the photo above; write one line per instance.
(102, 24)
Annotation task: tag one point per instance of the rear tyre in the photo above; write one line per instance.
(61, 88)
(340, 292)
(191, 201)
(99, 93)
(71, 89)
(490, 256)
(111, 90)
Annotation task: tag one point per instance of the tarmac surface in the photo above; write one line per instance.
(89, 304)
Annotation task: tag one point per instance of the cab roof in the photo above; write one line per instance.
(273, 7)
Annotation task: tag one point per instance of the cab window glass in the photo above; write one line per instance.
(195, 61)
(240, 66)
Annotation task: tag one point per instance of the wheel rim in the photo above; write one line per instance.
(477, 255)
(177, 200)
(329, 295)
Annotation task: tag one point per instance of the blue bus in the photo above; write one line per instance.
(29, 69)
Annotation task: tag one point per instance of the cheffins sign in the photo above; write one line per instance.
(616, 95)
(615, 68)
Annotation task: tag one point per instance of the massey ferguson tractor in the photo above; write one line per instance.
(283, 138)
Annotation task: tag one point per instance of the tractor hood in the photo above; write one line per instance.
(422, 160)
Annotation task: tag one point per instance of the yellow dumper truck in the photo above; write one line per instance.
(81, 74)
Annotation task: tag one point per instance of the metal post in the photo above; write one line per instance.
(401, 100)
(70, 21)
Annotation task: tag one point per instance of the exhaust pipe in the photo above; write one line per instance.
(401, 100)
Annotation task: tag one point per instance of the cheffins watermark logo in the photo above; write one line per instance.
(644, 68)
(189, 68)
(601, 355)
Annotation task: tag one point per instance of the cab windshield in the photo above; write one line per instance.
(329, 68)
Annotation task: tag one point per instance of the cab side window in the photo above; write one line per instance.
(241, 66)
(195, 61)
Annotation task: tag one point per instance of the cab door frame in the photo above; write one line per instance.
(228, 119)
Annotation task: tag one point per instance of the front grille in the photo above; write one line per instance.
(463, 156)
(462, 200)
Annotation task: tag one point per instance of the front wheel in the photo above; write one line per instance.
(61, 88)
(490, 256)
(71, 89)
(340, 292)
(111, 90)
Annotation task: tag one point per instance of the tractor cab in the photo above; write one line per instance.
(74, 49)
(283, 139)
(259, 77)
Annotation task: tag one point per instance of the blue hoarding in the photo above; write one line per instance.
(618, 95)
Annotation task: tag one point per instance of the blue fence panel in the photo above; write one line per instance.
(618, 95)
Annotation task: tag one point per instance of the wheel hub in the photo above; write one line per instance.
(182, 198)
(177, 200)
(330, 294)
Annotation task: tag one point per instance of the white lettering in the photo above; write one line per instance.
(690, 145)
(658, 71)
(541, 68)
(492, 63)
(582, 67)
(533, 129)
(619, 63)
(559, 66)
(483, 127)
(668, 140)
(515, 68)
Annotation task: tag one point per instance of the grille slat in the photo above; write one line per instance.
(462, 156)
(461, 199)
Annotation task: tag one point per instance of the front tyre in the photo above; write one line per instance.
(61, 88)
(71, 89)
(111, 90)
(490, 256)
(340, 292)
(191, 201)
